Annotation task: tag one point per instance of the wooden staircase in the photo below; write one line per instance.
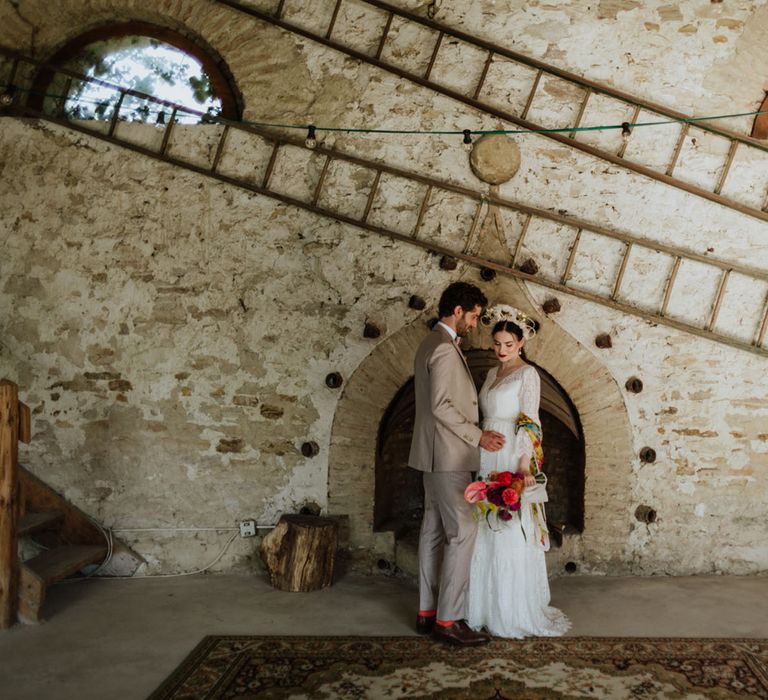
(29, 508)
(71, 543)
(52, 566)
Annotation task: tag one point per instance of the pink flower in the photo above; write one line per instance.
(510, 496)
(475, 492)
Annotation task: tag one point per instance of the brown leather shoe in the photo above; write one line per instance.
(425, 624)
(461, 634)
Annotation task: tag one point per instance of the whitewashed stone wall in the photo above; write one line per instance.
(172, 334)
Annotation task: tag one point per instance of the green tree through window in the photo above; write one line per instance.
(143, 64)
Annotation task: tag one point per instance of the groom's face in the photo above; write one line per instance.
(467, 321)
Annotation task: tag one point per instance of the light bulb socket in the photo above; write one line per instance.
(626, 130)
(311, 140)
(467, 139)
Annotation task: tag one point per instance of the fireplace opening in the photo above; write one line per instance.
(399, 495)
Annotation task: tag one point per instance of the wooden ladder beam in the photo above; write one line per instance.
(652, 172)
(377, 169)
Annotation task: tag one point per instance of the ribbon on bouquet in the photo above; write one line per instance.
(533, 431)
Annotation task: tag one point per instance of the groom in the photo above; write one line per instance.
(445, 444)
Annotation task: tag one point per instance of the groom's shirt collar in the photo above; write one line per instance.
(450, 330)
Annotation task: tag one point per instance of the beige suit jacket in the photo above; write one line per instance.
(445, 433)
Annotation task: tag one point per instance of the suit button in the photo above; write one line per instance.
(474, 403)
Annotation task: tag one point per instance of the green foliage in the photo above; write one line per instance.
(202, 90)
(142, 64)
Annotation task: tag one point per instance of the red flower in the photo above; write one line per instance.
(510, 496)
(504, 478)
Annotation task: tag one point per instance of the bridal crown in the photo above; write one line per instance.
(503, 312)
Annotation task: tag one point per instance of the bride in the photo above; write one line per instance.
(508, 590)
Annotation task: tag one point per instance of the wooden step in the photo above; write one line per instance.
(36, 574)
(36, 522)
(56, 564)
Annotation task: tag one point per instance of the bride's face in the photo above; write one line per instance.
(506, 346)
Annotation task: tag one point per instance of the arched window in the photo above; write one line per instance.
(142, 57)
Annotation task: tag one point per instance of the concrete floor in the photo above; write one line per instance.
(120, 638)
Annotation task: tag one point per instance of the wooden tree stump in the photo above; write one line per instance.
(300, 552)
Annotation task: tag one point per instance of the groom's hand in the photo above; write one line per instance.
(491, 441)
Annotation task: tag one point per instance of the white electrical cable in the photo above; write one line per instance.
(108, 536)
(184, 573)
(186, 529)
(173, 529)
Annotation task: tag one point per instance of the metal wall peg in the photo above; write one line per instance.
(448, 263)
(487, 274)
(310, 449)
(529, 267)
(648, 455)
(371, 330)
(417, 303)
(604, 341)
(334, 380)
(551, 306)
(634, 385)
(645, 514)
(310, 508)
(7, 96)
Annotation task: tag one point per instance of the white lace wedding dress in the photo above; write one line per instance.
(508, 587)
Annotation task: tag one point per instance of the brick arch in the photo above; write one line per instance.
(593, 391)
(214, 65)
(352, 457)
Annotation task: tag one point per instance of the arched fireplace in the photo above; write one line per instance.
(398, 504)
(586, 429)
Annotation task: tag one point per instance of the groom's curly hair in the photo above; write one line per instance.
(460, 294)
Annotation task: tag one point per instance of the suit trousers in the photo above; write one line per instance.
(446, 541)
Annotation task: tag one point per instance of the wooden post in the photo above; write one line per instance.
(9, 505)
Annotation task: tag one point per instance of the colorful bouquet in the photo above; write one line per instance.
(500, 495)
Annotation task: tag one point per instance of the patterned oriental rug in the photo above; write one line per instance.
(362, 668)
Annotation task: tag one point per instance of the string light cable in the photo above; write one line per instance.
(312, 130)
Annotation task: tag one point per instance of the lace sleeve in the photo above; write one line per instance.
(530, 396)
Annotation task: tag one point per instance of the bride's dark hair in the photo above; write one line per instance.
(509, 327)
(515, 330)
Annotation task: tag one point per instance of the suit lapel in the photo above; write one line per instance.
(457, 349)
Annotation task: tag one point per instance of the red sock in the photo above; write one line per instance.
(444, 623)
(427, 613)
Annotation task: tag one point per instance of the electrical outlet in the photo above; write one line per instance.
(247, 528)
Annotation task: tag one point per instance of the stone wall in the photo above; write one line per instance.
(172, 334)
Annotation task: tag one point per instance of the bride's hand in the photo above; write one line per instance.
(491, 441)
(530, 479)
